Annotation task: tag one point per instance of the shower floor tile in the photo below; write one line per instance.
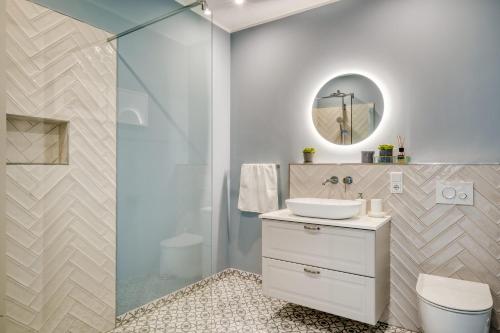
(232, 301)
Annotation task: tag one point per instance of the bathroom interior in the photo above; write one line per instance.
(250, 166)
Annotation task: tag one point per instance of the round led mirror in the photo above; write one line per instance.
(348, 109)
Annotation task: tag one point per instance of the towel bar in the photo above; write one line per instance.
(276, 164)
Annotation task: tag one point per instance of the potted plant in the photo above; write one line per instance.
(308, 154)
(386, 153)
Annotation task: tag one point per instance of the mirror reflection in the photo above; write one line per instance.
(348, 109)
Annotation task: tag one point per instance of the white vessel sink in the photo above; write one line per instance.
(334, 209)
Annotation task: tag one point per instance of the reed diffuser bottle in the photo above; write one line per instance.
(401, 150)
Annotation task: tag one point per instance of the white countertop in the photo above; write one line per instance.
(358, 222)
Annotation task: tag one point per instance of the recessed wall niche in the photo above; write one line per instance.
(32, 140)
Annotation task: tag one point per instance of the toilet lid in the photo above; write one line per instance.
(182, 240)
(454, 294)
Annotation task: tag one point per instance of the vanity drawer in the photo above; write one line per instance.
(342, 249)
(347, 295)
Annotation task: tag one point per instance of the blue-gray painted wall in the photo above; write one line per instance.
(439, 61)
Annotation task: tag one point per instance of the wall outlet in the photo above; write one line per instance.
(455, 193)
(396, 183)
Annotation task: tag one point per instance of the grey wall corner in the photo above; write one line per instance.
(221, 150)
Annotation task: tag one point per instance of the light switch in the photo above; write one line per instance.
(396, 182)
(455, 193)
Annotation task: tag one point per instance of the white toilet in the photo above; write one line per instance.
(453, 306)
(181, 257)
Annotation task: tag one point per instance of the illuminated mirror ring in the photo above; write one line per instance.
(348, 109)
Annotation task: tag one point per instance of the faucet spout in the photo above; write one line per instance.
(332, 180)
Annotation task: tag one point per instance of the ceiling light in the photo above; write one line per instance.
(239, 2)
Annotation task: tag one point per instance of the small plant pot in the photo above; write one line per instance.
(308, 157)
(386, 156)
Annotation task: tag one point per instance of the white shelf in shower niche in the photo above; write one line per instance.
(33, 140)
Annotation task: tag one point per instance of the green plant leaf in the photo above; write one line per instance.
(385, 147)
(309, 150)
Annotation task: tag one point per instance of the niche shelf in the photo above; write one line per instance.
(32, 140)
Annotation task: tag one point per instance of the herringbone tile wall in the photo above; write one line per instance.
(61, 219)
(462, 242)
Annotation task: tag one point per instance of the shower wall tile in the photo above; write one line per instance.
(61, 218)
(461, 242)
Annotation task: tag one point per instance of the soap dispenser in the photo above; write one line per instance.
(362, 210)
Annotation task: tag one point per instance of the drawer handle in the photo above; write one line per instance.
(310, 271)
(315, 228)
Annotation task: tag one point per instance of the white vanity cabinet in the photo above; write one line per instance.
(336, 266)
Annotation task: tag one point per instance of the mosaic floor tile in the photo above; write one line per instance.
(232, 301)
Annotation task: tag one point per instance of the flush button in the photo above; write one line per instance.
(449, 193)
(455, 193)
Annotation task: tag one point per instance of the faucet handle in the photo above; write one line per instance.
(347, 180)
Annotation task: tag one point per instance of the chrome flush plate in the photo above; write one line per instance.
(455, 193)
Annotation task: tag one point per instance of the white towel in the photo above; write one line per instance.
(258, 188)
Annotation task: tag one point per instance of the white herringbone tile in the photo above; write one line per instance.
(60, 219)
(456, 241)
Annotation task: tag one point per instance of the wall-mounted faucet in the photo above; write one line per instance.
(332, 180)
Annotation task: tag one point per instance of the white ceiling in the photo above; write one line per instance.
(233, 17)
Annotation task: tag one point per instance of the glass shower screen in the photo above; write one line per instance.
(163, 158)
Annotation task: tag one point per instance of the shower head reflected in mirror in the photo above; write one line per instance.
(204, 7)
(347, 109)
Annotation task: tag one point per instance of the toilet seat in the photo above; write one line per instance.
(454, 295)
(453, 310)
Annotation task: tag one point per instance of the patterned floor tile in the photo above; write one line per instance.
(232, 301)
